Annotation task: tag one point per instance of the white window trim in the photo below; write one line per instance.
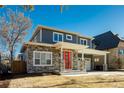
(40, 58)
(83, 40)
(58, 34)
(67, 37)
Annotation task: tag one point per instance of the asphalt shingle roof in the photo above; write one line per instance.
(106, 40)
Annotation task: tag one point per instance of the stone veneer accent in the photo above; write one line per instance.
(75, 61)
(57, 65)
(39, 69)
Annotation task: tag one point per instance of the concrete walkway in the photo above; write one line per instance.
(98, 73)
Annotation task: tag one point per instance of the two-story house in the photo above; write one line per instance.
(54, 50)
(114, 45)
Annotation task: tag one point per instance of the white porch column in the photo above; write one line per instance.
(83, 60)
(105, 63)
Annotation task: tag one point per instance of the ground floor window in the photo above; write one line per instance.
(121, 51)
(41, 58)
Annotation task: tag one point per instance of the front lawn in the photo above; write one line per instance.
(57, 81)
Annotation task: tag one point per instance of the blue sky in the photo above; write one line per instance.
(86, 20)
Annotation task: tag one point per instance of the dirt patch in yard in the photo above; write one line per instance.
(5, 79)
(56, 81)
(4, 83)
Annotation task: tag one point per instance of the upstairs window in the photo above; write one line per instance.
(69, 37)
(57, 37)
(83, 42)
(121, 51)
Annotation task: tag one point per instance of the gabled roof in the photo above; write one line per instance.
(106, 40)
(57, 30)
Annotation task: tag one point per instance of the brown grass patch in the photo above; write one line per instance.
(56, 81)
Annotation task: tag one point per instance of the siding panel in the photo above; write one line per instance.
(47, 37)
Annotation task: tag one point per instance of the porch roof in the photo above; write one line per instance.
(69, 46)
(80, 48)
(24, 46)
(94, 52)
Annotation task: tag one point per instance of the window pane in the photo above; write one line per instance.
(48, 61)
(55, 37)
(121, 52)
(85, 42)
(82, 42)
(43, 62)
(37, 61)
(60, 37)
(69, 37)
(48, 58)
(48, 55)
(37, 55)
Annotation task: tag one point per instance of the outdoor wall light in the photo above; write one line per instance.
(96, 59)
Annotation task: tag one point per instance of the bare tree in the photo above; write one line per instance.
(32, 7)
(13, 28)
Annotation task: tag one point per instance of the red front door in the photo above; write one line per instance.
(68, 59)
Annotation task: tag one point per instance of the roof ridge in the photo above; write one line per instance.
(103, 33)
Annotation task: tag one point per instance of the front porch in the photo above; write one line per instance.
(79, 59)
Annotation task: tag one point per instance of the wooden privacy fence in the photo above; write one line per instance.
(18, 66)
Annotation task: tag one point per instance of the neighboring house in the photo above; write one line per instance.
(20, 56)
(4, 56)
(113, 44)
(54, 50)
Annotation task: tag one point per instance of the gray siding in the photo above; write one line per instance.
(37, 37)
(47, 37)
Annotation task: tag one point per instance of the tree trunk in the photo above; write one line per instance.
(11, 57)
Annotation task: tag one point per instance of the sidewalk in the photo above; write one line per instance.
(107, 73)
